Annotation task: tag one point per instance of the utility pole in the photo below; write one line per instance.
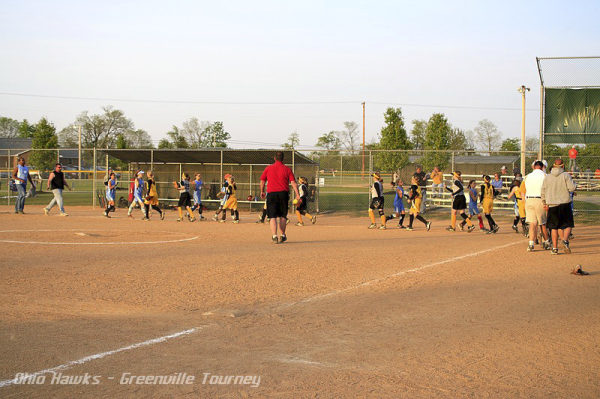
(522, 90)
(363, 143)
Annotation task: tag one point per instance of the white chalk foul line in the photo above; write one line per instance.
(86, 359)
(377, 280)
(99, 243)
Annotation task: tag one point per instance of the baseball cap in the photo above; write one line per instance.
(227, 176)
(559, 163)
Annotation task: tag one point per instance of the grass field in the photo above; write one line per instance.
(337, 311)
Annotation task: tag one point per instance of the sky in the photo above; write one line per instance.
(270, 68)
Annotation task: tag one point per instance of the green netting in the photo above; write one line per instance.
(572, 116)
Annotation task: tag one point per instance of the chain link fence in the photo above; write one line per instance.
(338, 182)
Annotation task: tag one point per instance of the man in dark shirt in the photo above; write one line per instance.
(279, 178)
(57, 183)
(421, 178)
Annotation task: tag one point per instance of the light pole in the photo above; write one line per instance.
(79, 153)
(522, 90)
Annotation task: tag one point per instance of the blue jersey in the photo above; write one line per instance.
(140, 188)
(22, 173)
(399, 196)
(198, 186)
(110, 192)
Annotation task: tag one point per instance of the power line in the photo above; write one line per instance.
(258, 102)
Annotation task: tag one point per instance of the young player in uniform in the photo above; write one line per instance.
(231, 202)
(398, 203)
(185, 200)
(151, 199)
(110, 194)
(138, 195)
(416, 197)
(488, 193)
(520, 211)
(301, 207)
(459, 203)
(198, 186)
(473, 210)
(377, 201)
(223, 196)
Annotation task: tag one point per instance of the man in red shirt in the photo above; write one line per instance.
(572, 158)
(279, 177)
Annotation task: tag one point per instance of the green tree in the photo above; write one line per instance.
(26, 130)
(459, 140)
(175, 139)
(417, 134)
(292, 142)
(393, 136)
(44, 137)
(101, 131)
(437, 137)
(511, 145)
(215, 135)
(329, 141)
(9, 127)
(349, 137)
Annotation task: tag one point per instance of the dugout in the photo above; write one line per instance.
(212, 163)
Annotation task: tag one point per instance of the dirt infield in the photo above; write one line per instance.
(338, 311)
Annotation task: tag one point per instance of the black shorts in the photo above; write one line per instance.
(277, 204)
(185, 200)
(303, 207)
(560, 217)
(376, 203)
(459, 203)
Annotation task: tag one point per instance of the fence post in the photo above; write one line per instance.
(341, 170)
(152, 160)
(452, 162)
(250, 190)
(318, 184)
(94, 181)
(369, 179)
(221, 177)
(8, 177)
(294, 161)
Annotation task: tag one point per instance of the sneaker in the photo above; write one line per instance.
(21, 212)
(461, 227)
(202, 218)
(496, 228)
(299, 224)
(566, 247)
(275, 240)
(515, 228)
(46, 212)
(145, 218)
(313, 220)
(372, 225)
(287, 221)
(282, 239)
(192, 219)
(546, 245)
(215, 218)
(64, 214)
(222, 221)
(525, 231)
(571, 237)
(259, 221)
(129, 216)
(530, 248)
(187, 215)
(382, 227)
(162, 216)
(428, 226)
(490, 231)
(450, 228)
(236, 221)
(105, 214)
(178, 219)
(401, 227)
(470, 229)
(409, 228)
(554, 251)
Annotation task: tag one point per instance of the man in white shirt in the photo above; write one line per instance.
(531, 191)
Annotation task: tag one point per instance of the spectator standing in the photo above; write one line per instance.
(572, 158)
(279, 177)
(21, 175)
(497, 182)
(531, 190)
(57, 183)
(556, 198)
(437, 184)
